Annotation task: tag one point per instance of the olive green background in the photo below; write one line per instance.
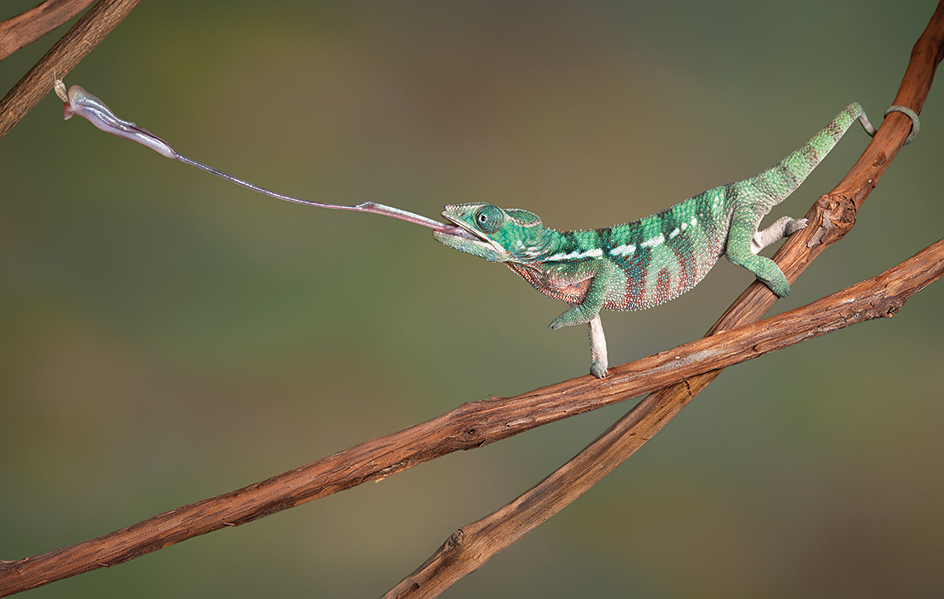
(166, 336)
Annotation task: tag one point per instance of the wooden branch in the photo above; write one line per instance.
(473, 545)
(61, 58)
(478, 423)
(26, 28)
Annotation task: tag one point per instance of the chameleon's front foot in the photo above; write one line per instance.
(577, 314)
(598, 369)
(598, 360)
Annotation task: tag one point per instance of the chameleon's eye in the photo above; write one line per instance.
(489, 218)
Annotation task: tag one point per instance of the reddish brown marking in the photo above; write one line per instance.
(685, 257)
(662, 286)
(634, 295)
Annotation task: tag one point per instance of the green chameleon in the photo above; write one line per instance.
(654, 259)
(625, 267)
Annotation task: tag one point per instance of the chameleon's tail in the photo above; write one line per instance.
(782, 179)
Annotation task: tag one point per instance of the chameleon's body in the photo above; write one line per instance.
(652, 260)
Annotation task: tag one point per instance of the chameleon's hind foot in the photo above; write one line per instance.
(782, 227)
(769, 274)
(765, 269)
(774, 278)
(794, 225)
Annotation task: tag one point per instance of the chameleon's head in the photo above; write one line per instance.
(493, 233)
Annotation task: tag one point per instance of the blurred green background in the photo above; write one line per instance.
(166, 336)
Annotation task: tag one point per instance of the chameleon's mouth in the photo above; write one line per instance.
(460, 229)
(457, 231)
(460, 237)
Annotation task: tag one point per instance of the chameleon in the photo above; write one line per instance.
(631, 266)
(652, 260)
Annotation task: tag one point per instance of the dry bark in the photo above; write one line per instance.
(27, 27)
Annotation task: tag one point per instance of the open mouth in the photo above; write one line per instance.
(470, 241)
(457, 231)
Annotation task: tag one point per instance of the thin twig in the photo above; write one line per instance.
(473, 545)
(61, 58)
(27, 27)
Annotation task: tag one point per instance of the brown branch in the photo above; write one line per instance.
(61, 58)
(478, 423)
(473, 545)
(26, 28)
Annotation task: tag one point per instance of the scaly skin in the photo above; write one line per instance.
(651, 260)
